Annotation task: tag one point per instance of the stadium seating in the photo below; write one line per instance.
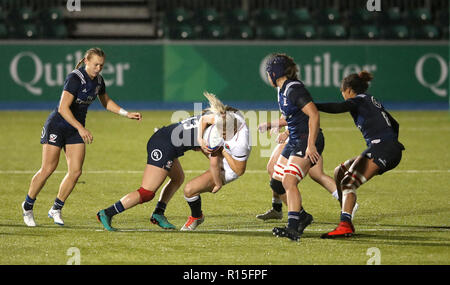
(55, 31)
(427, 32)
(22, 15)
(182, 32)
(419, 16)
(230, 19)
(275, 32)
(299, 16)
(366, 32)
(302, 32)
(268, 17)
(397, 32)
(393, 16)
(26, 31)
(329, 16)
(237, 16)
(179, 15)
(207, 16)
(213, 32)
(52, 24)
(3, 31)
(335, 31)
(361, 17)
(50, 16)
(242, 32)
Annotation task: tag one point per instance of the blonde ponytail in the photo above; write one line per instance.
(215, 105)
(79, 63)
(225, 117)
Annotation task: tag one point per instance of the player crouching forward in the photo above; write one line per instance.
(164, 148)
(226, 164)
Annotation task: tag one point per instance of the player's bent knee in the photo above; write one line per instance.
(47, 171)
(189, 191)
(277, 186)
(352, 181)
(145, 195)
(75, 173)
(294, 170)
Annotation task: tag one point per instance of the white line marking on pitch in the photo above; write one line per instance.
(407, 171)
(307, 230)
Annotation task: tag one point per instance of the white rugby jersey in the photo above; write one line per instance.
(239, 145)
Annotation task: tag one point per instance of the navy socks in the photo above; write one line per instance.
(29, 203)
(115, 209)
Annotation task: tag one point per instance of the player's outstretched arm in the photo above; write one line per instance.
(111, 106)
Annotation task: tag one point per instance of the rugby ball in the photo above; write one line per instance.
(212, 137)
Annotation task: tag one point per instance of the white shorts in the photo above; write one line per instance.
(227, 173)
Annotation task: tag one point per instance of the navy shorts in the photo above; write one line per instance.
(298, 147)
(160, 151)
(385, 154)
(56, 132)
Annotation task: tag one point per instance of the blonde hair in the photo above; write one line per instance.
(87, 55)
(215, 105)
(224, 115)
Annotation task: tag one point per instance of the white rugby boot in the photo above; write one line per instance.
(192, 223)
(56, 216)
(28, 217)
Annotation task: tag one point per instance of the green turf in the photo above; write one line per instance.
(404, 213)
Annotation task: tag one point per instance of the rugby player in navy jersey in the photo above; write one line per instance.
(380, 131)
(306, 141)
(276, 172)
(65, 129)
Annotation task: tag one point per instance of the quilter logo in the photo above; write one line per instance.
(373, 5)
(73, 5)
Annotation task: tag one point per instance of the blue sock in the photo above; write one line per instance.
(29, 203)
(293, 220)
(115, 209)
(58, 204)
(160, 208)
(346, 217)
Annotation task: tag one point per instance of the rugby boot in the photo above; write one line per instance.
(344, 229)
(28, 217)
(56, 216)
(303, 223)
(192, 223)
(289, 233)
(271, 214)
(161, 221)
(105, 220)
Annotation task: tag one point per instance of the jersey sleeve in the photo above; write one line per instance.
(102, 89)
(72, 84)
(335, 108)
(239, 153)
(299, 96)
(240, 149)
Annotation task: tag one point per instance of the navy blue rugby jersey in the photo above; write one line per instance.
(292, 97)
(183, 135)
(369, 115)
(85, 90)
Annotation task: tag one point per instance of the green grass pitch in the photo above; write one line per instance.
(404, 214)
